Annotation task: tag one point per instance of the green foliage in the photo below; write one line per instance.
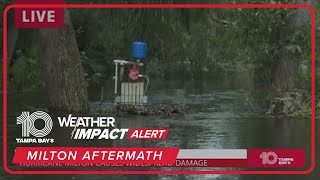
(153, 70)
(3, 5)
(305, 108)
(26, 74)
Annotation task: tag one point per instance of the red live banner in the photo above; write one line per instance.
(95, 155)
(269, 158)
(39, 17)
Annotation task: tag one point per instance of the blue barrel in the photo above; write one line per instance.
(139, 50)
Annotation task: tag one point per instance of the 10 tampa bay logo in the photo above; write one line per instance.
(29, 132)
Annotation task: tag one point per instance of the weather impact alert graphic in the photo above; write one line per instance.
(83, 128)
(51, 142)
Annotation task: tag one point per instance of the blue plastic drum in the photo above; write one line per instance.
(139, 50)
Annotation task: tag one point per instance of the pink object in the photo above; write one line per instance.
(134, 74)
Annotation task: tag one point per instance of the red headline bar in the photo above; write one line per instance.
(148, 133)
(95, 155)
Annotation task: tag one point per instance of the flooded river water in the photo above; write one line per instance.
(216, 118)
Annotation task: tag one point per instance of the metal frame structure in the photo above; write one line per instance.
(132, 93)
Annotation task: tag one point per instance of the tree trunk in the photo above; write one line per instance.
(287, 63)
(212, 34)
(67, 89)
(286, 69)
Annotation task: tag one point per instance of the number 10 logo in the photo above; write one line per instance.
(27, 122)
(269, 158)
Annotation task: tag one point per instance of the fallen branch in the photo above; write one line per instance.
(224, 21)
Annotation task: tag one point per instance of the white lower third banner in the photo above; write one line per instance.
(212, 158)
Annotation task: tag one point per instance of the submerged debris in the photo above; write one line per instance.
(160, 109)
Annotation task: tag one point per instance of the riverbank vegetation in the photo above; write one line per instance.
(273, 46)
